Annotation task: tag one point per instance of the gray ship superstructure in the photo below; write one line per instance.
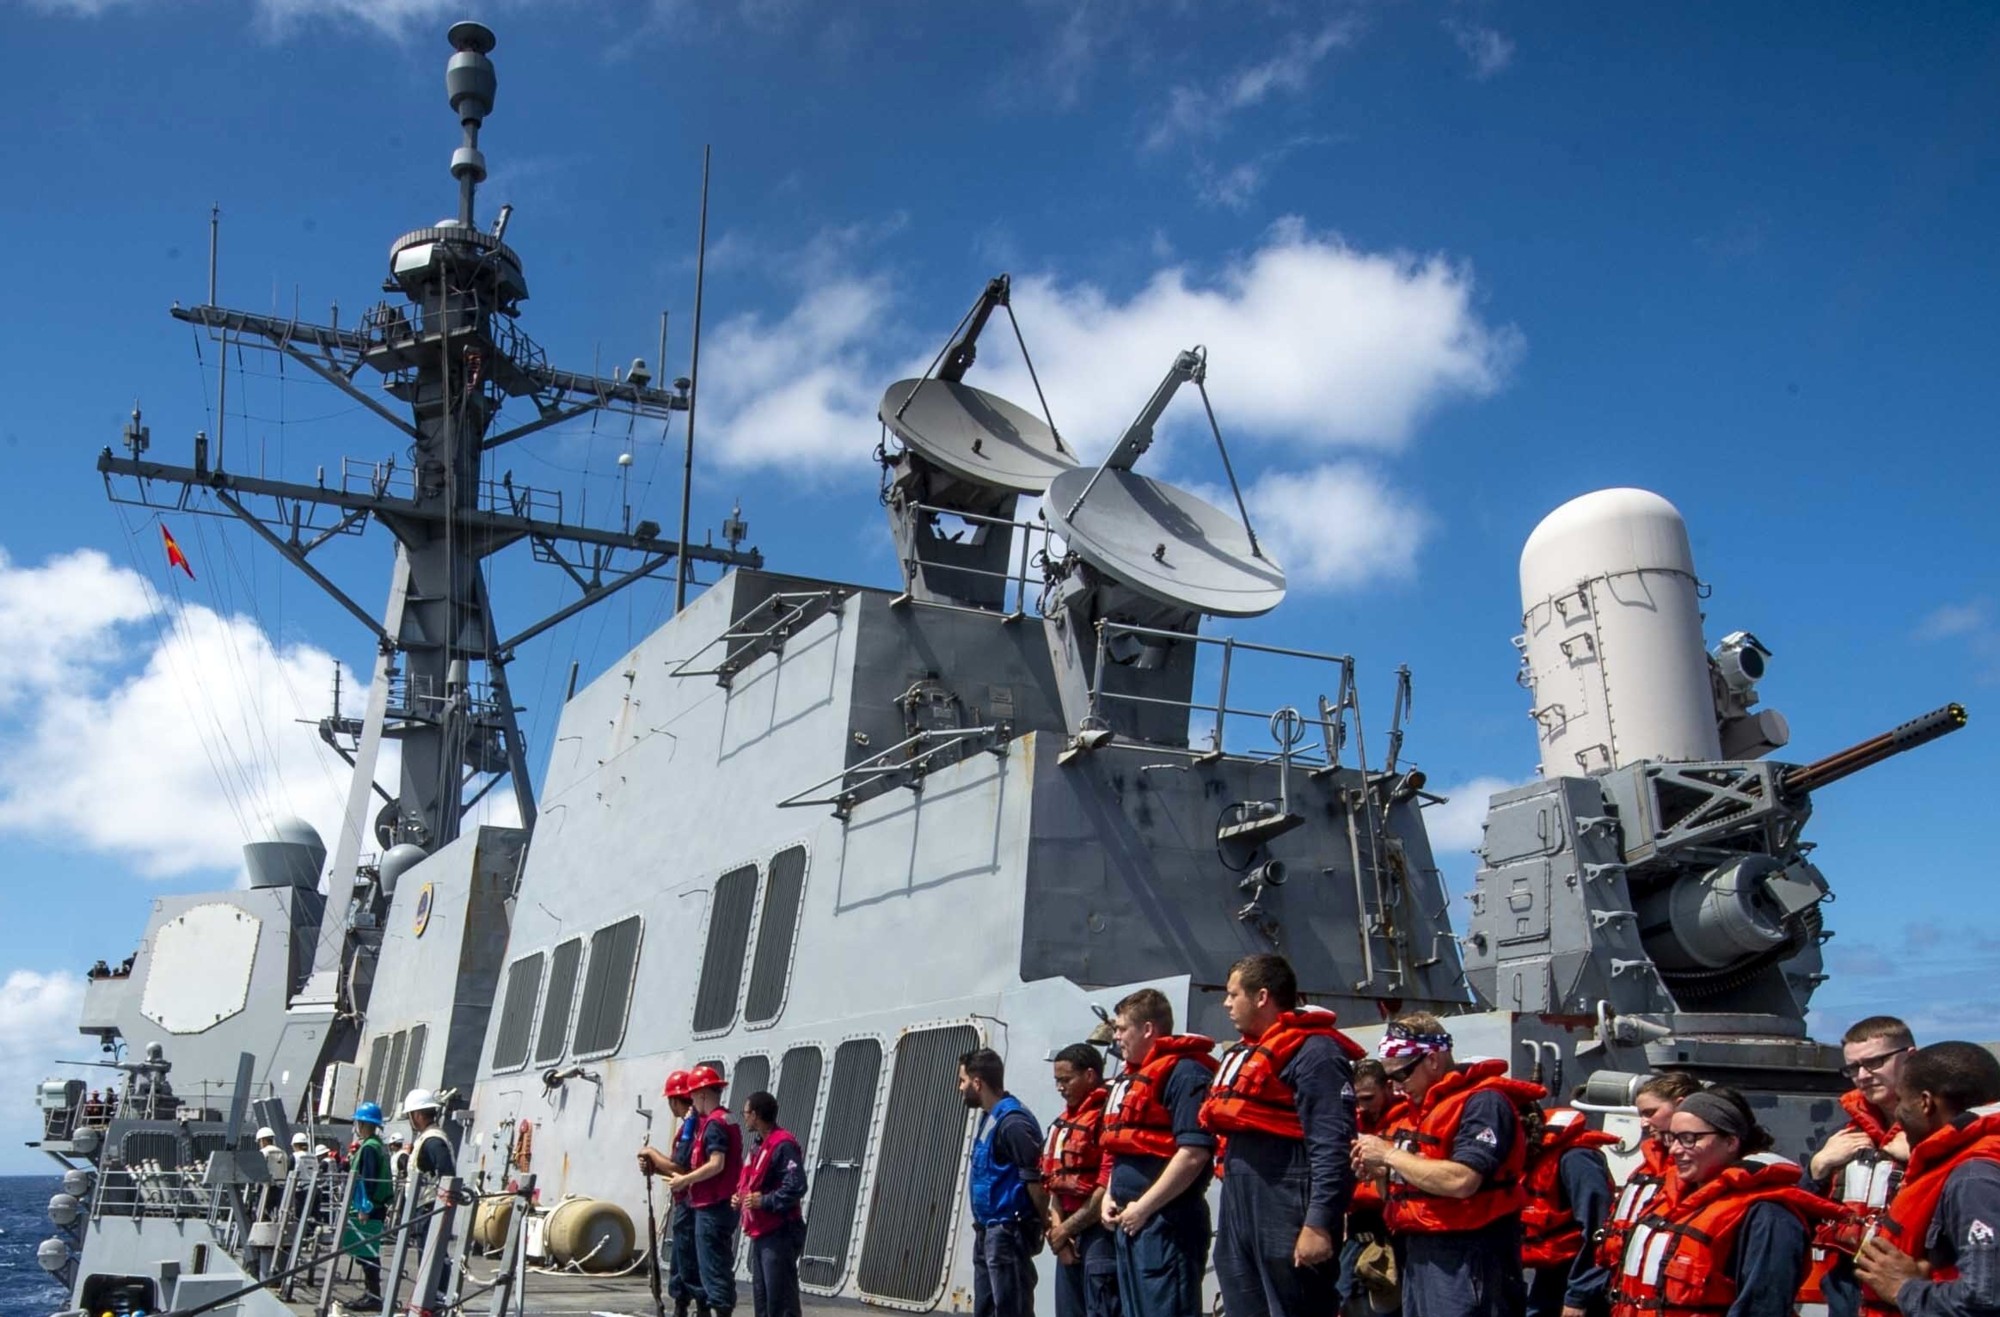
(830, 836)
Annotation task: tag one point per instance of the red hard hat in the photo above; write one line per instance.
(704, 1076)
(677, 1083)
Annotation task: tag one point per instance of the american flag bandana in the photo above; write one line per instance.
(1398, 1042)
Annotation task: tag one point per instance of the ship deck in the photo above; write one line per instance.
(550, 1295)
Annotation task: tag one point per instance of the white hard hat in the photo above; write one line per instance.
(299, 1140)
(266, 1132)
(419, 1099)
(395, 1140)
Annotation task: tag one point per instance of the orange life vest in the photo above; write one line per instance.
(1136, 1122)
(1550, 1235)
(1635, 1198)
(1071, 1158)
(1676, 1262)
(1974, 1136)
(1249, 1093)
(1397, 1116)
(1410, 1211)
(1862, 1188)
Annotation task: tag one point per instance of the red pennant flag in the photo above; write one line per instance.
(175, 558)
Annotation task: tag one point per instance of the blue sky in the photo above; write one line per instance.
(1455, 264)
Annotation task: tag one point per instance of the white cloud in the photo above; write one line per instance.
(1197, 112)
(170, 752)
(38, 1015)
(1336, 526)
(1490, 51)
(1458, 825)
(66, 609)
(1955, 620)
(1313, 346)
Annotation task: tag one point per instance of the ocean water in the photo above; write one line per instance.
(25, 1289)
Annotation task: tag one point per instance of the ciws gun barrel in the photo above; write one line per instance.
(1845, 763)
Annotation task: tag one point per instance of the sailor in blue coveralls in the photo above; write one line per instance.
(1008, 1201)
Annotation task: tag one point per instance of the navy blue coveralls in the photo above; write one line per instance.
(1006, 1231)
(1962, 1235)
(1272, 1187)
(715, 1224)
(774, 1258)
(1159, 1269)
(683, 1271)
(1470, 1273)
(1583, 1186)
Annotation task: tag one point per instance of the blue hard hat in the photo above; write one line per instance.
(368, 1113)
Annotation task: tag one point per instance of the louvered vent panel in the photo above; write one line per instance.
(517, 1013)
(553, 1036)
(753, 1075)
(413, 1060)
(770, 973)
(923, 1141)
(836, 1178)
(728, 943)
(607, 988)
(378, 1059)
(398, 1041)
(798, 1094)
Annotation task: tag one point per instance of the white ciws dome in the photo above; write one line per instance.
(292, 856)
(1611, 640)
(395, 862)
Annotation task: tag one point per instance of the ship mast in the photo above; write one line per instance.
(452, 354)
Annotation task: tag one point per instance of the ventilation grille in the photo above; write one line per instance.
(413, 1061)
(728, 941)
(161, 1147)
(753, 1075)
(517, 1013)
(397, 1042)
(378, 1057)
(836, 1180)
(771, 972)
(923, 1141)
(554, 1035)
(607, 988)
(798, 1094)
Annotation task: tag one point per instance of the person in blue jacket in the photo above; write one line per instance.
(1008, 1201)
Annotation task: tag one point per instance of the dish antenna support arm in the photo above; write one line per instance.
(1191, 365)
(958, 358)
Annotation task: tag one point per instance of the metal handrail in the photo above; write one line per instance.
(881, 766)
(1221, 708)
(802, 602)
(1017, 577)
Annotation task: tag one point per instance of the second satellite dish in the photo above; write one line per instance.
(1164, 542)
(973, 435)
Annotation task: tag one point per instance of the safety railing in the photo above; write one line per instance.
(760, 631)
(1016, 577)
(904, 764)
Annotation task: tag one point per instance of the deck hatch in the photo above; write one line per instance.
(413, 1062)
(554, 1035)
(517, 1013)
(836, 1177)
(903, 1253)
(378, 1057)
(798, 1094)
(728, 942)
(770, 973)
(607, 988)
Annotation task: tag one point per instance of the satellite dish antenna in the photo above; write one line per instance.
(964, 458)
(1145, 562)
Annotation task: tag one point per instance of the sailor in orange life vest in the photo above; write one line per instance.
(1656, 1100)
(1936, 1255)
(1005, 1186)
(768, 1196)
(1283, 1105)
(717, 1154)
(1569, 1190)
(1158, 1159)
(1378, 1109)
(1861, 1165)
(1453, 1183)
(1728, 1234)
(1073, 1175)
